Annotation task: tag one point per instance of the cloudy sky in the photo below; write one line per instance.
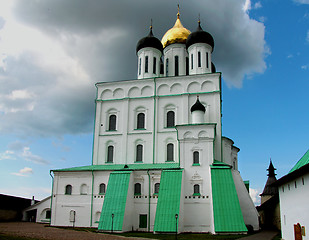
(53, 52)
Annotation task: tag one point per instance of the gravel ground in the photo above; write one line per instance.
(36, 230)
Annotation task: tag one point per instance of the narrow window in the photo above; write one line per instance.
(207, 63)
(112, 123)
(234, 165)
(196, 189)
(139, 153)
(137, 189)
(139, 66)
(187, 66)
(156, 188)
(68, 189)
(170, 152)
(110, 154)
(83, 189)
(199, 59)
(154, 65)
(102, 189)
(166, 67)
(143, 220)
(170, 119)
(282, 189)
(48, 214)
(295, 184)
(191, 61)
(176, 65)
(146, 64)
(303, 181)
(289, 187)
(196, 157)
(72, 216)
(141, 121)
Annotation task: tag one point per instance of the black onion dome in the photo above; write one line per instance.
(200, 36)
(197, 106)
(149, 41)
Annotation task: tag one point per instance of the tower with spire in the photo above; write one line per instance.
(159, 158)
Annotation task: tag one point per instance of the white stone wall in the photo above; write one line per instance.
(42, 207)
(294, 206)
(249, 212)
(204, 50)
(153, 97)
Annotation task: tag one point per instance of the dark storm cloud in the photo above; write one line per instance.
(100, 38)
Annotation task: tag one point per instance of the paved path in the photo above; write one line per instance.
(36, 230)
(263, 235)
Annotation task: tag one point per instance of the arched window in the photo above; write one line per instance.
(48, 214)
(102, 189)
(207, 64)
(112, 122)
(191, 61)
(68, 189)
(170, 119)
(137, 189)
(196, 189)
(139, 153)
(83, 189)
(199, 64)
(166, 67)
(141, 121)
(110, 154)
(139, 66)
(72, 216)
(156, 188)
(196, 157)
(146, 64)
(154, 66)
(170, 152)
(187, 66)
(176, 65)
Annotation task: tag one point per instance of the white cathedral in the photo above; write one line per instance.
(160, 162)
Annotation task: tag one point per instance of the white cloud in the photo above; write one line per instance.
(7, 155)
(255, 196)
(25, 172)
(302, 1)
(257, 5)
(307, 36)
(304, 67)
(29, 156)
(247, 6)
(47, 79)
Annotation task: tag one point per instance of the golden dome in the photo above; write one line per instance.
(177, 34)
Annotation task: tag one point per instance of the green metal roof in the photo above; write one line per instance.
(302, 162)
(227, 212)
(115, 201)
(168, 201)
(112, 167)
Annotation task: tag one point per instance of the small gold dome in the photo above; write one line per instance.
(177, 34)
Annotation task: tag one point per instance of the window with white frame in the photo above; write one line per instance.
(102, 189)
(170, 119)
(140, 121)
(156, 188)
(137, 189)
(170, 152)
(110, 154)
(139, 153)
(68, 189)
(196, 190)
(112, 122)
(83, 189)
(196, 158)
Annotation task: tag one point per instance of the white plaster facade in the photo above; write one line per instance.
(193, 143)
(42, 209)
(293, 197)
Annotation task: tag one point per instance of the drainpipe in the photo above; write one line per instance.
(91, 211)
(148, 201)
(51, 197)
